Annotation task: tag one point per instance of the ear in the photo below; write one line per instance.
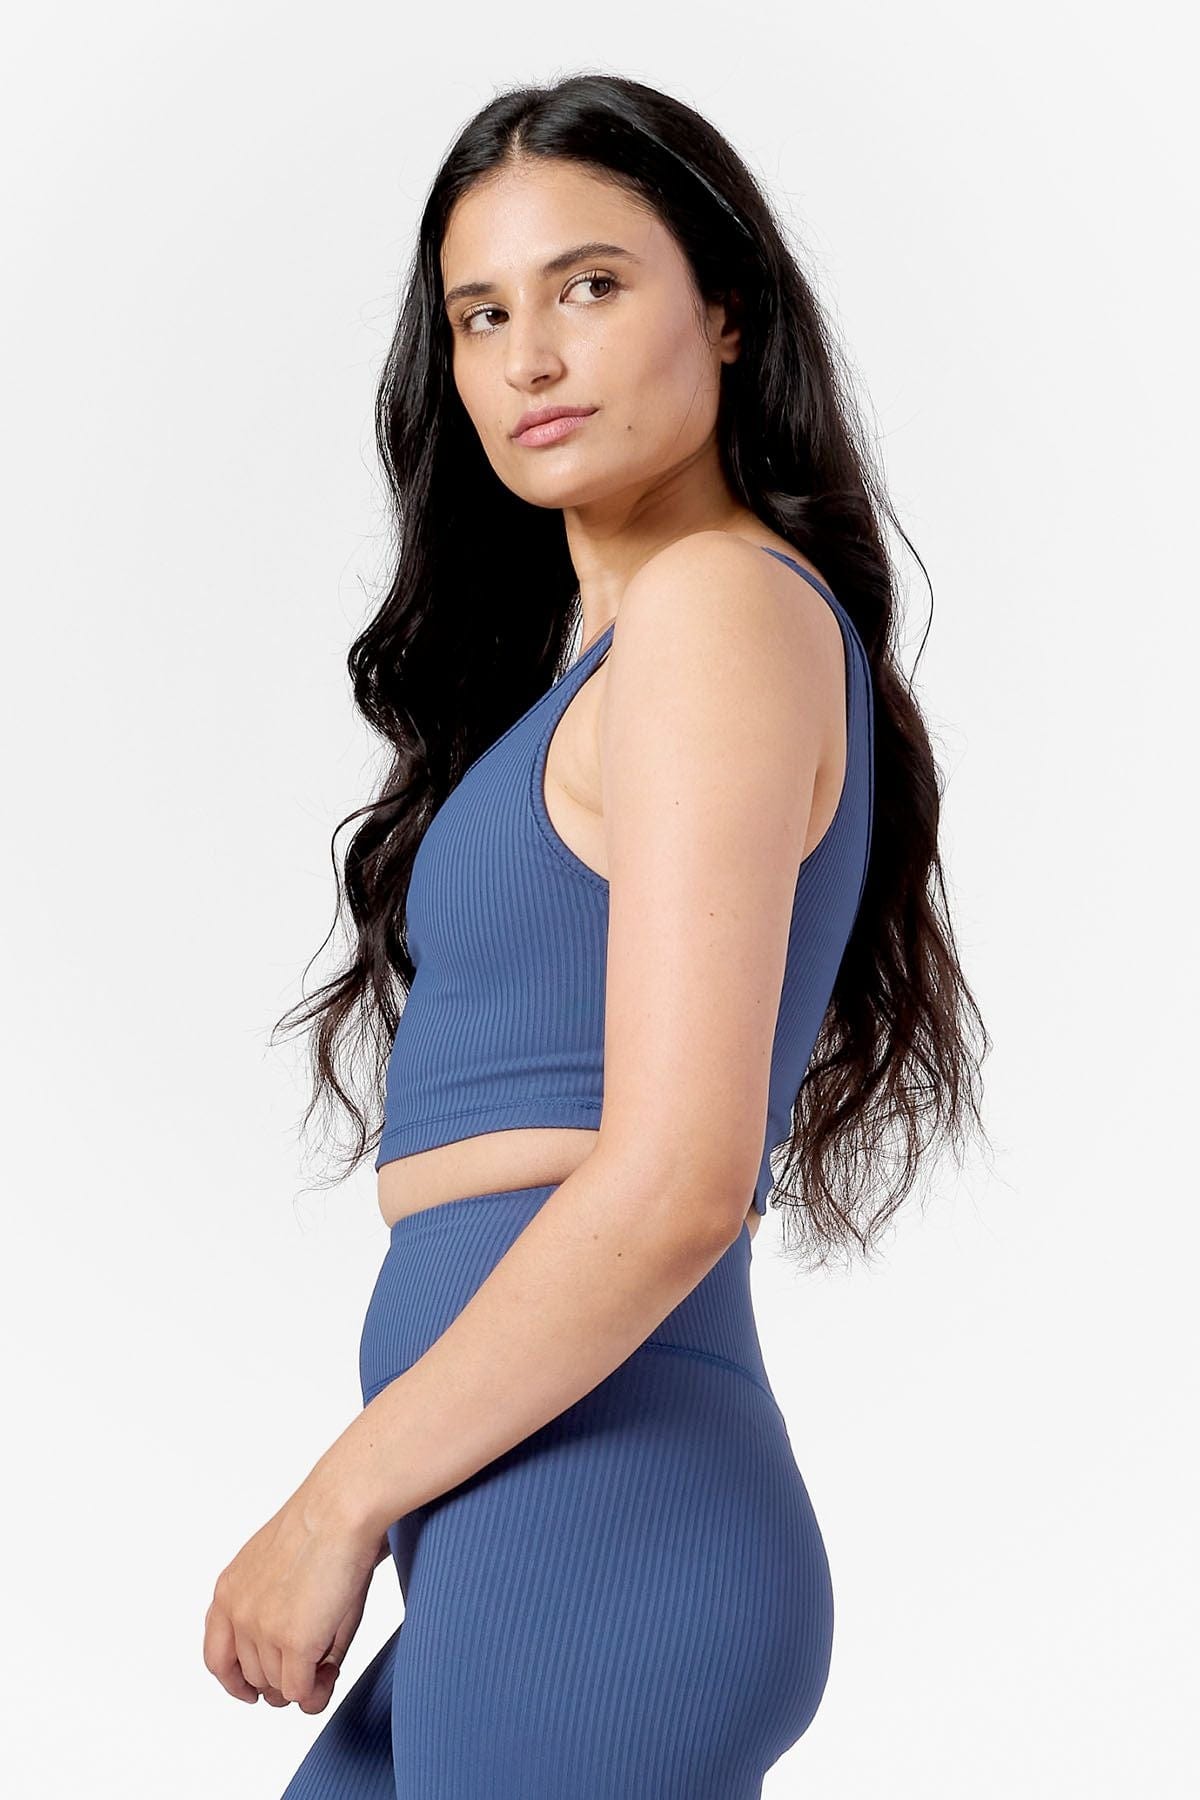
(727, 318)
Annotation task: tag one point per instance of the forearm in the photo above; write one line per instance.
(594, 1272)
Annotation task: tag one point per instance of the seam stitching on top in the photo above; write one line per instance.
(463, 1112)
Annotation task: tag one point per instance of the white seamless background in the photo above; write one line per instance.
(208, 210)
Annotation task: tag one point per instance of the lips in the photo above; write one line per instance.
(542, 415)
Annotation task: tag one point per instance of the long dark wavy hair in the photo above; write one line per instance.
(481, 609)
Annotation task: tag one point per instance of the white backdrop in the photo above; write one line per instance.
(207, 212)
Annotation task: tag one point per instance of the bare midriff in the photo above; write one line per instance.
(530, 1156)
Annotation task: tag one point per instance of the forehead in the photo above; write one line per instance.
(513, 222)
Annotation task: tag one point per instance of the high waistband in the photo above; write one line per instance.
(438, 1257)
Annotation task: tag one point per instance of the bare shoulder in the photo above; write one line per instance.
(720, 596)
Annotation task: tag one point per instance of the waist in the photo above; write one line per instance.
(436, 1259)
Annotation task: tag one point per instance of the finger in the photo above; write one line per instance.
(251, 1663)
(343, 1637)
(308, 1683)
(311, 1683)
(330, 1666)
(324, 1682)
(220, 1654)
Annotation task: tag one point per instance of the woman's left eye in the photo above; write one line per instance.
(590, 280)
(593, 278)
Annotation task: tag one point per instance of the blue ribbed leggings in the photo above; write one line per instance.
(633, 1603)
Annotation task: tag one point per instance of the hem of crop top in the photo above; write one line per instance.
(506, 1116)
(410, 1138)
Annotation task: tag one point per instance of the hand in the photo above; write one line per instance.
(285, 1610)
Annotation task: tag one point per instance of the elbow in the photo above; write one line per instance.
(691, 1198)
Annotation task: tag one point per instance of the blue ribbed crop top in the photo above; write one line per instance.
(503, 1025)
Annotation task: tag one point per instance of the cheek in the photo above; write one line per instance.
(669, 392)
(666, 350)
(482, 405)
(467, 388)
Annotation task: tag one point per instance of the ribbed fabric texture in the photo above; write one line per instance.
(508, 931)
(634, 1603)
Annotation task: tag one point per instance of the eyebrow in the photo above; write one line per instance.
(468, 290)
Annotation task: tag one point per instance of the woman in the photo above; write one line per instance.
(655, 919)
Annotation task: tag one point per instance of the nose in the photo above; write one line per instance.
(531, 354)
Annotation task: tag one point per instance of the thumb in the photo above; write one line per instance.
(330, 1666)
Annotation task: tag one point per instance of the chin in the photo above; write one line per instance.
(565, 490)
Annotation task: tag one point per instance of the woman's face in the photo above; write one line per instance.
(621, 331)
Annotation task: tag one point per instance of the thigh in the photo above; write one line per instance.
(632, 1604)
(351, 1757)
